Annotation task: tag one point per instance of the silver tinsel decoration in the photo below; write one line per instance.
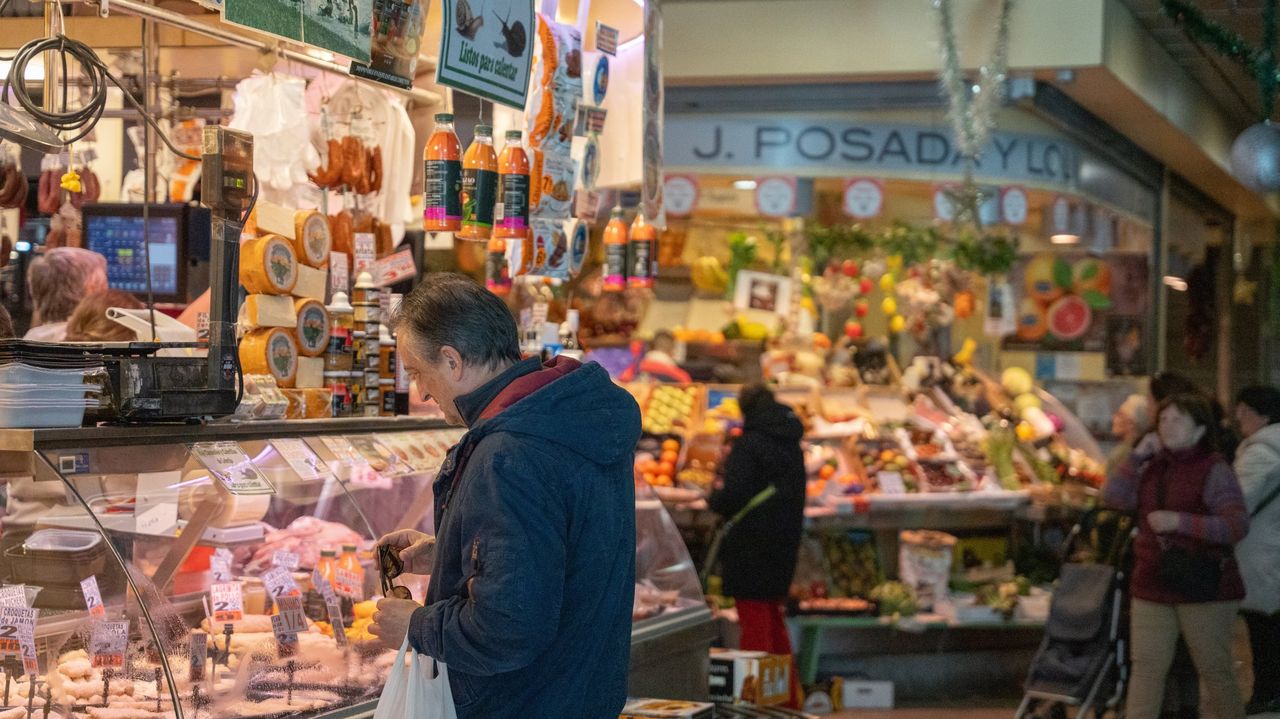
(972, 107)
(1255, 157)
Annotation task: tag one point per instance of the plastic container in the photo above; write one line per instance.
(35, 413)
(25, 374)
(55, 392)
(57, 557)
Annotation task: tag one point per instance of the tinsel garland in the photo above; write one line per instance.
(1259, 62)
(971, 109)
(983, 254)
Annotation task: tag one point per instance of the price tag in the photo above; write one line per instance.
(232, 467)
(378, 456)
(93, 597)
(339, 273)
(366, 252)
(16, 624)
(220, 565)
(156, 512)
(13, 595)
(394, 268)
(891, 482)
(292, 617)
(199, 654)
(107, 643)
(606, 39)
(279, 583)
(588, 205)
(348, 584)
(228, 602)
(288, 560)
(286, 638)
(592, 118)
(335, 620)
(300, 457)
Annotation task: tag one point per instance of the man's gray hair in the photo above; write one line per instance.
(60, 278)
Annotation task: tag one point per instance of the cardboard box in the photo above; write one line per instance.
(866, 694)
(666, 709)
(756, 677)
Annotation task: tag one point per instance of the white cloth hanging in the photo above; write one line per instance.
(270, 107)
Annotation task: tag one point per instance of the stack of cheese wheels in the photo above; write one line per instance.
(270, 351)
(312, 326)
(268, 265)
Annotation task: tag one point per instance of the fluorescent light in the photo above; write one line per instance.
(744, 184)
(1065, 239)
(1177, 284)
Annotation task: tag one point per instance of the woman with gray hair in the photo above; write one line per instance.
(57, 281)
(1130, 423)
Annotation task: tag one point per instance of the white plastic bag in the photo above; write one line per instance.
(411, 691)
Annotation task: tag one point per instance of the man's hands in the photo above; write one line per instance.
(391, 621)
(417, 550)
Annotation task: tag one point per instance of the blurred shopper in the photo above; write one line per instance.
(89, 321)
(1185, 581)
(6, 324)
(57, 281)
(1257, 464)
(758, 554)
(1129, 425)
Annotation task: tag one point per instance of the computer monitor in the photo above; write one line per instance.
(116, 232)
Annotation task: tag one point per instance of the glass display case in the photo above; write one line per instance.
(227, 570)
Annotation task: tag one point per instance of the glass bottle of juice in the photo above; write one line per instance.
(479, 186)
(442, 178)
(315, 607)
(512, 215)
(615, 252)
(352, 574)
(642, 257)
(497, 273)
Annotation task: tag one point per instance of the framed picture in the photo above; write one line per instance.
(763, 292)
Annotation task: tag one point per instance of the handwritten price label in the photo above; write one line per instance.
(228, 602)
(93, 597)
(220, 565)
(279, 583)
(17, 632)
(335, 620)
(13, 595)
(348, 584)
(288, 640)
(291, 614)
(287, 560)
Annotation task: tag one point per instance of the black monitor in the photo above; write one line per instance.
(116, 232)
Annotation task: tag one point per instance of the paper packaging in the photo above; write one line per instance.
(865, 694)
(666, 709)
(730, 670)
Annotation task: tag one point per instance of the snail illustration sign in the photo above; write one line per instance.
(342, 26)
(486, 48)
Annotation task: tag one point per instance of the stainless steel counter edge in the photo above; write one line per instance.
(26, 440)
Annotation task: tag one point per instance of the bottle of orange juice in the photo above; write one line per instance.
(479, 186)
(643, 255)
(615, 252)
(349, 572)
(497, 273)
(512, 215)
(442, 178)
(328, 562)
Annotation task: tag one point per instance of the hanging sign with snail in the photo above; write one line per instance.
(486, 48)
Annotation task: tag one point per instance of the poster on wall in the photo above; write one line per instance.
(652, 181)
(393, 55)
(342, 26)
(486, 49)
(1065, 301)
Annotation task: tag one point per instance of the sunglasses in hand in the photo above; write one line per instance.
(390, 566)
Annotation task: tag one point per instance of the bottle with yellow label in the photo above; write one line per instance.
(479, 186)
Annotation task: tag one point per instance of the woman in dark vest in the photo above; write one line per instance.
(1189, 507)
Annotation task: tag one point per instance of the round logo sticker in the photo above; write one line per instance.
(601, 84)
(578, 248)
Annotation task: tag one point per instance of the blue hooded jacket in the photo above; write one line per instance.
(530, 599)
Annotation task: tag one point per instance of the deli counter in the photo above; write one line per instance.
(227, 570)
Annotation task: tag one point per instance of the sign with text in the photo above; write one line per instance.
(107, 644)
(488, 56)
(606, 39)
(93, 597)
(231, 466)
(301, 459)
(228, 602)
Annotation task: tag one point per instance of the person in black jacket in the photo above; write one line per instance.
(758, 556)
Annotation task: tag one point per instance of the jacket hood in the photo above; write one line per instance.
(1268, 436)
(776, 419)
(578, 408)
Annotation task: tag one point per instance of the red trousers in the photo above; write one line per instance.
(764, 629)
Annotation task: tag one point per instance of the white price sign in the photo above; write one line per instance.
(228, 602)
(292, 618)
(13, 595)
(232, 467)
(348, 584)
(93, 597)
(300, 457)
(107, 644)
(288, 560)
(339, 273)
(335, 620)
(366, 252)
(17, 635)
(322, 585)
(863, 198)
(776, 196)
(279, 583)
(220, 565)
(891, 482)
(281, 630)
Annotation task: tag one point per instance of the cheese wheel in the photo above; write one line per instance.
(232, 510)
(270, 351)
(268, 311)
(311, 238)
(268, 265)
(312, 327)
(312, 283)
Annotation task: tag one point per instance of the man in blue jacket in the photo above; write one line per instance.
(533, 563)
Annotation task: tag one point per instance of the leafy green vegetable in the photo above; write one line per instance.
(1062, 276)
(895, 599)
